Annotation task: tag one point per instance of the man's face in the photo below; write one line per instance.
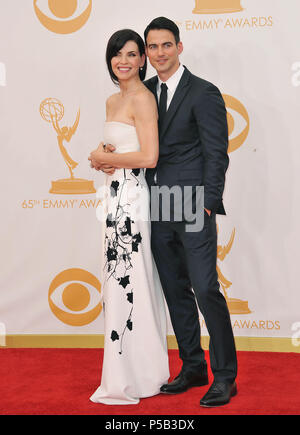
(163, 53)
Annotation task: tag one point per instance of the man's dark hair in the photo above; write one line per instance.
(162, 23)
(117, 42)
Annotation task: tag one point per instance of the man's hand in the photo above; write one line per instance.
(109, 170)
(94, 164)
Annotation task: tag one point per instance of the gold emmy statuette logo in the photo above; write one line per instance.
(52, 111)
(235, 306)
(217, 6)
(74, 294)
(235, 105)
(63, 10)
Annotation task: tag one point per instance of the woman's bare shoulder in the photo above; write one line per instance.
(143, 98)
(112, 98)
(144, 95)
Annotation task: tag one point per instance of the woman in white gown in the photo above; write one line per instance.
(135, 363)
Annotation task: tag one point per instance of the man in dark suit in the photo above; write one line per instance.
(193, 152)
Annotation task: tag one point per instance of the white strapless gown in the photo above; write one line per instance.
(135, 361)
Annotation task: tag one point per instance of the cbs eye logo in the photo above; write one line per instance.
(75, 297)
(238, 122)
(63, 16)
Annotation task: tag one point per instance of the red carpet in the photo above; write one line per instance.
(60, 381)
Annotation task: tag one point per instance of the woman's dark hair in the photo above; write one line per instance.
(117, 42)
(163, 23)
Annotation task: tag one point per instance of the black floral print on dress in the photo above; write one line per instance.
(120, 245)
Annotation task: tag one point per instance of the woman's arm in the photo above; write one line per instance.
(144, 113)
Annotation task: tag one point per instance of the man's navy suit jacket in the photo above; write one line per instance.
(193, 140)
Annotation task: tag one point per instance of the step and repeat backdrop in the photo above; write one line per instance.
(53, 87)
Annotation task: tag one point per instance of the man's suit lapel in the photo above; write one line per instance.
(180, 93)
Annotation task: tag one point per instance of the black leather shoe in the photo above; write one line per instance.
(219, 394)
(184, 381)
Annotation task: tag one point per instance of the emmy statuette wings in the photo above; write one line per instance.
(235, 306)
(52, 111)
